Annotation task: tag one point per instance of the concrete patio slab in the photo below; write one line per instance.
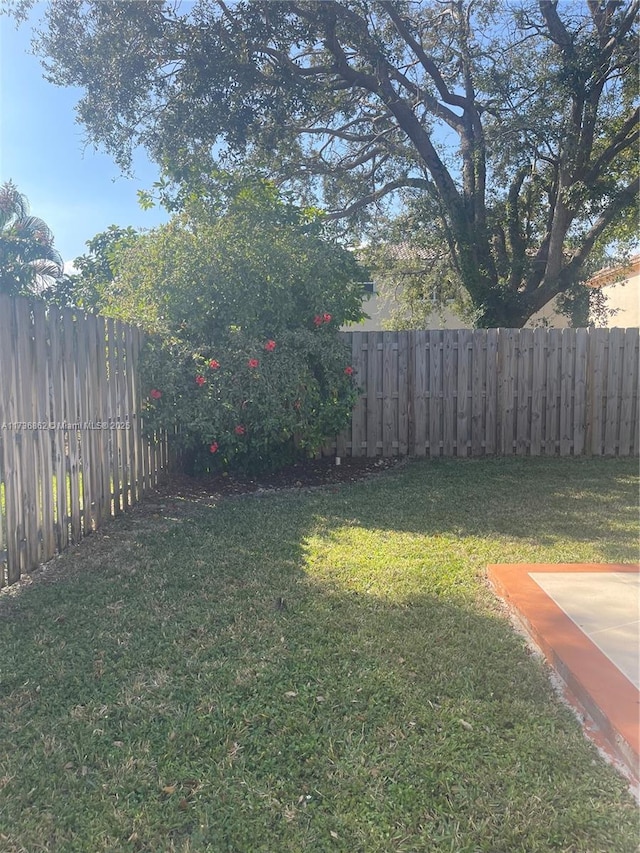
(585, 618)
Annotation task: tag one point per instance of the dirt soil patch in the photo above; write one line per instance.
(306, 474)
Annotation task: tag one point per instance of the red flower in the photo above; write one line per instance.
(318, 320)
(200, 380)
(326, 318)
(240, 430)
(214, 447)
(270, 346)
(155, 394)
(253, 362)
(349, 370)
(213, 364)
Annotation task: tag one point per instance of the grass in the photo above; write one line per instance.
(324, 671)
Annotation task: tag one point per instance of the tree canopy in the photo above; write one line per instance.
(511, 128)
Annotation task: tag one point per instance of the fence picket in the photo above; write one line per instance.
(463, 399)
(404, 394)
(629, 369)
(433, 389)
(566, 392)
(580, 379)
(597, 373)
(552, 425)
(538, 382)
(523, 391)
(478, 390)
(614, 377)
(422, 427)
(389, 393)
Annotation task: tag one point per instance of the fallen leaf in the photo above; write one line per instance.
(118, 743)
(69, 765)
(333, 834)
(319, 698)
(183, 805)
(169, 789)
(466, 725)
(291, 694)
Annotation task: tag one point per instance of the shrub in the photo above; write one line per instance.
(243, 357)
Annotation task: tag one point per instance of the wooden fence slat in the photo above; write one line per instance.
(422, 385)
(566, 391)
(433, 390)
(71, 406)
(372, 393)
(629, 370)
(478, 390)
(614, 377)
(538, 384)
(114, 435)
(463, 398)
(491, 428)
(404, 394)
(595, 389)
(132, 406)
(44, 437)
(10, 465)
(580, 391)
(389, 388)
(124, 413)
(449, 390)
(524, 352)
(103, 413)
(507, 373)
(552, 425)
(62, 508)
(29, 539)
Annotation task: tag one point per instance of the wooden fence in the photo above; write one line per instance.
(498, 391)
(72, 452)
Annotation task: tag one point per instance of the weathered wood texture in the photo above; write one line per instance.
(542, 392)
(72, 450)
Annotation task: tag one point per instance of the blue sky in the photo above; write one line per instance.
(76, 190)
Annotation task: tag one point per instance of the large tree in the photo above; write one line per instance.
(513, 124)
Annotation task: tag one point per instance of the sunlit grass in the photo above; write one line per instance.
(312, 672)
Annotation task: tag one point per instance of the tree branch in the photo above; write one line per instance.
(390, 187)
(427, 63)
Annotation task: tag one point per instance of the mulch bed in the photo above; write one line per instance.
(309, 473)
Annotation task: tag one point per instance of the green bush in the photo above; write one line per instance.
(243, 359)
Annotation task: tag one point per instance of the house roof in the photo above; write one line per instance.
(613, 275)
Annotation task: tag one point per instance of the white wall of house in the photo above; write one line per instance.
(623, 298)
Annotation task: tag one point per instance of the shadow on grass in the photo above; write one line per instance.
(225, 683)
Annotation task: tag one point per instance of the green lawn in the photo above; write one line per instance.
(162, 697)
